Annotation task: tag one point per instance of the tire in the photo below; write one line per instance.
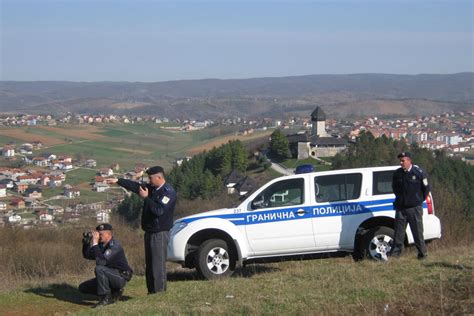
(377, 242)
(214, 260)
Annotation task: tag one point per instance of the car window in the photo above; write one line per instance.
(339, 187)
(382, 182)
(282, 193)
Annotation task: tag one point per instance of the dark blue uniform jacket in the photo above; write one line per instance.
(111, 255)
(410, 187)
(158, 207)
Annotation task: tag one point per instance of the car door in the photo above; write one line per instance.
(278, 220)
(336, 208)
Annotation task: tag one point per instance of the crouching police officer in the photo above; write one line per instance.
(112, 271)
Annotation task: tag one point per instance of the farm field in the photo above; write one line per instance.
(126, 144)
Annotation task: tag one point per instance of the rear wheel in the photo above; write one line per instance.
(213, 259)
(377, 243)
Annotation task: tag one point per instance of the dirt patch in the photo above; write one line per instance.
(133, 151)
(87, 132)
(224, 140)
(31, 137)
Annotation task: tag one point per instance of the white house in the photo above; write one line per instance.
(105, 172)
(90, 163)
(45, 217)
(8, 151)
(103, 216)
(14, 219)
(101, 187)
(71, 192)
(66, 165)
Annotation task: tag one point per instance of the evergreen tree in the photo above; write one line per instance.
(279, 146)
(130, 209)
(201, 176)
(239, 156)
(452, 178)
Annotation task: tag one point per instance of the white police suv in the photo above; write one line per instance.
(307, 213)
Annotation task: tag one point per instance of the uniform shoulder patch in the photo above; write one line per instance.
(165, 200)
(425, 182)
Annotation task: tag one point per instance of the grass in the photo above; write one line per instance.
(79, 176)
(442, 284)
(50, 192)
(6, 139)
(43, 132)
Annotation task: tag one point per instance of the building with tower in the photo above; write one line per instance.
(318, 119)
(318, 143)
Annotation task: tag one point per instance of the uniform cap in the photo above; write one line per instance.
(155, 170)
(404, 154)
(104, 226)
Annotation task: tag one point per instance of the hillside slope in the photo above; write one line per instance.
(341, 95)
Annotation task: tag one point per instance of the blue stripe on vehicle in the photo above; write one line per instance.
(325, 210)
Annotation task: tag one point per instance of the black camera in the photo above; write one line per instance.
(86, 237)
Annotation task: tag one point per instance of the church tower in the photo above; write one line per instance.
(318, 118)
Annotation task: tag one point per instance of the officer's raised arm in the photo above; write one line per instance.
(129, 185)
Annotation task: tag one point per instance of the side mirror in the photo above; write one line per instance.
(258, 202)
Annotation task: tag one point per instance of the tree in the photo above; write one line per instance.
(449, 177)
(279, 146)
(201, 176)
(239, 156)
(130, 209)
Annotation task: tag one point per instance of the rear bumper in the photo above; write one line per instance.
(431, 228)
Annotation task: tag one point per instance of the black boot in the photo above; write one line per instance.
(116, 295)
(104, 300)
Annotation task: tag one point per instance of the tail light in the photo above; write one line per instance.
(429, 203)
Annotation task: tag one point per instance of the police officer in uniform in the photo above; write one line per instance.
(411, 188)
(159, 200)
(112, 271)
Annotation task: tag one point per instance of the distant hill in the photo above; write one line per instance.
(339, 95)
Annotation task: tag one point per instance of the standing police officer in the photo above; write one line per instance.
(112, 271)
(411, 188)
(159, 200)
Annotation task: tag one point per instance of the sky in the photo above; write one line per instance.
(151, 41)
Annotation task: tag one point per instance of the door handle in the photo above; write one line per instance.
(301, 212)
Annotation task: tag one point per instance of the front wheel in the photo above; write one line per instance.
(213, 259)
(377, 243)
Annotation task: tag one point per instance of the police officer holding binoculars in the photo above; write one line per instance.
(112, 271)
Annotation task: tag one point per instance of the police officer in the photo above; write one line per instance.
(411, 188)
(159, 200)
(112, 271)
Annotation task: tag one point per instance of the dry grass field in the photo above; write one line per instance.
(224, 140)
(334, 286)
(22, 134)
(89, 132)
(42, 268)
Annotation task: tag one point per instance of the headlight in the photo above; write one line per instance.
(178, 227)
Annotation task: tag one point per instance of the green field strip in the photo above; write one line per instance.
(43, 132)
(7, 139)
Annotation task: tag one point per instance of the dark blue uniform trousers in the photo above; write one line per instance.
(414, 217)
(156, 251)
(106, 281)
